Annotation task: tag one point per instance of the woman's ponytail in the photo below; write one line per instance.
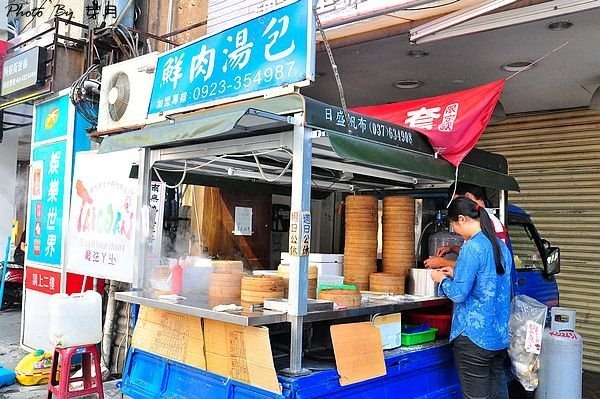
(466, 207)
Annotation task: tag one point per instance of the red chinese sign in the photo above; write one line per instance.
(453, 122)
(46, 281)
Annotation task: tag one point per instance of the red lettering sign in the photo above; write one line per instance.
(46, 281)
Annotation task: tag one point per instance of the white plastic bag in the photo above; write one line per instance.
(526, 327)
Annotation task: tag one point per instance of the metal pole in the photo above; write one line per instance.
(503, 205)
(296, 325)
(300, 227)
(169, 21)
(143, 201)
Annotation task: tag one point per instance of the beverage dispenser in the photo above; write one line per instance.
(443, 237)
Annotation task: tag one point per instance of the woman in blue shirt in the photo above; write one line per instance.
(479, 286)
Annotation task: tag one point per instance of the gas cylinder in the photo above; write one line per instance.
(560, 358)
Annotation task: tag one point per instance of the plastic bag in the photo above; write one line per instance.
(526, 327)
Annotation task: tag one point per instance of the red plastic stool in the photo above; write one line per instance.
(91, 383)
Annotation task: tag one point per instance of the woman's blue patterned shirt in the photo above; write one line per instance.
(481, 296)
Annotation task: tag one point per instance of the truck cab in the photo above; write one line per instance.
(536, 262)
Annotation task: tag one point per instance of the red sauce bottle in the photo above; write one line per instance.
(177, 279)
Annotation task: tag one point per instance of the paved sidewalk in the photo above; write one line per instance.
(11, 354)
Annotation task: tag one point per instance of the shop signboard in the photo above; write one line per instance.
(24, 71)
(52, 120)
(58, 132)
(334, 118)
(263, 54)
(50, 162)
(47, 194)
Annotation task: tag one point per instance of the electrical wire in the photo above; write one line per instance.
(86, 101)
(334, 67)
(119, 37)
(278, 176)
(185, 170)
(223, 156)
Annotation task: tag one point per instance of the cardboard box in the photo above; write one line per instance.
(358, 352)
(242, 353)
(172, 335)
(390, 327)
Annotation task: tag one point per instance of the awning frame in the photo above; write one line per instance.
(267, 124)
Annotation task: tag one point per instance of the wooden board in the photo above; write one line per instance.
(242, 353)
(172, 335)
(358, 352)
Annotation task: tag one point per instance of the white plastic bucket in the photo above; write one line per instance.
(75, 320)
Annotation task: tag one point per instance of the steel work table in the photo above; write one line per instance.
(198, 306)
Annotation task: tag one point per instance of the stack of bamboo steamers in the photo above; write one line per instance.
(360, 253)
(225, 282)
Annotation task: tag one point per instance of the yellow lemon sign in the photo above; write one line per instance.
(51, 118)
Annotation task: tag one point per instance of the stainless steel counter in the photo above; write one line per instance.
(398, 304)
(199, 307)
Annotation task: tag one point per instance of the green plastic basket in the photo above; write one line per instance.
(418, 338)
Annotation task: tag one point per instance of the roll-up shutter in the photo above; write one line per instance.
(555, 158)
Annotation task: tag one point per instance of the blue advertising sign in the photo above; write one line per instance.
(263, 53)
(47, 193)
(51, 119)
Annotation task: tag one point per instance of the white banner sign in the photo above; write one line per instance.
(101, 233)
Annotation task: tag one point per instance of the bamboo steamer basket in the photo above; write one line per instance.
(226, 279)
(347, 298)
(360, 284)
(283, 271)
(399, 202)
(398, 222)
(227, 266)
(227, 285)
(387, 282)
(399, 254)
(360, 249)
(399, 268)
(255, 289)
(360, 233)
(399, 229)
(393, 262)
(365, 200)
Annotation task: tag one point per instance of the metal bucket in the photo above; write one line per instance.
(420, 283)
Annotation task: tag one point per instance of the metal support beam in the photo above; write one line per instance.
(299, 233)
(141, 210)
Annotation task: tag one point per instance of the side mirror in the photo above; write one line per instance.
(552, 261)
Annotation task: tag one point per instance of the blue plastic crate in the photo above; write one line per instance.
(148, 376)
(7, 377)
